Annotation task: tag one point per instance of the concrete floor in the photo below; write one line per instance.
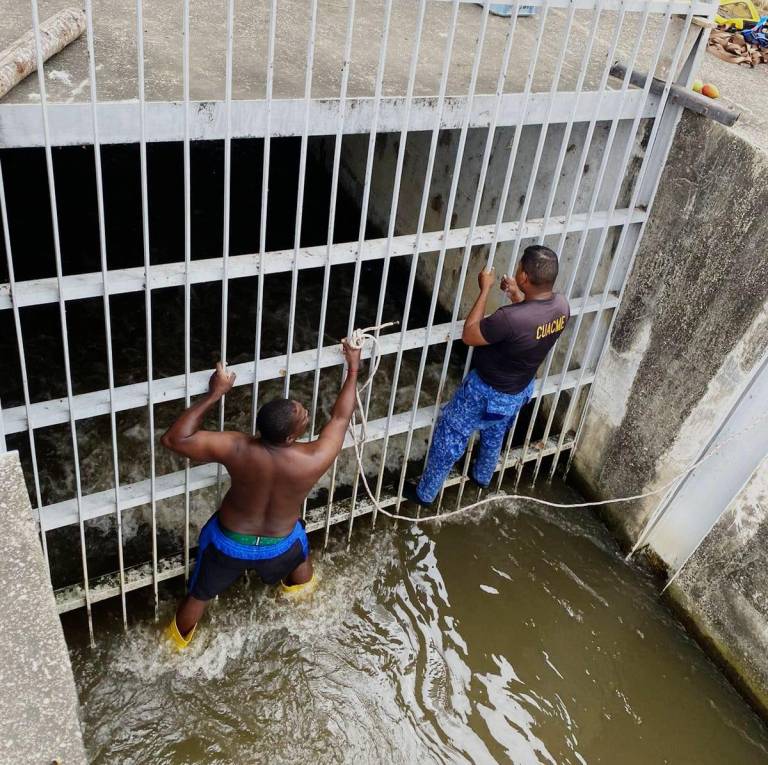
(115, 44)
(743, 89)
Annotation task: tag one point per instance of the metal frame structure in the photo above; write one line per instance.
(97, 123)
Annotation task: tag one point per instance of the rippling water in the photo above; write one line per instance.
(515, 636)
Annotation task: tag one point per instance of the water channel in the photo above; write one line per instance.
(514, 635)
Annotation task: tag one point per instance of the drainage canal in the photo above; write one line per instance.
(509, 635)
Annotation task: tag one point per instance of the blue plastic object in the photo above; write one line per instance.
(504, 9)
(758, 35)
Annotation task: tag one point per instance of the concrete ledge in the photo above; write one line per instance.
(38, 701)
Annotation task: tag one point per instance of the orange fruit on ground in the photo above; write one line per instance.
(710, 91)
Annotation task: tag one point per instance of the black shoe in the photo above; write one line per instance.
(410, 493)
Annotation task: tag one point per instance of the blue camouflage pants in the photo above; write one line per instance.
(474, 406)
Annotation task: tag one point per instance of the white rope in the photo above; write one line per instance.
(358, 338)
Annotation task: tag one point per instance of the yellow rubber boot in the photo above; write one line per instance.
(298, 591)
(180, 642)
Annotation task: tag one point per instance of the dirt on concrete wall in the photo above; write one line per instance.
(696, 298)
(691, 329)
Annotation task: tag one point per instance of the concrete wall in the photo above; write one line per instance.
(724, 587)
(38, 701)
(690, 332)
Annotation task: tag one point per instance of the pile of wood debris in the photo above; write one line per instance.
(733, 48)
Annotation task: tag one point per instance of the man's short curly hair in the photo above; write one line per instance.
(276, 420)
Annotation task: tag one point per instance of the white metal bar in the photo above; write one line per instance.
(441, 257)
(597, 254)
(663, 133)
(419, 231)
(543, 133)
(503, 205)
(378, 89)
(266, 150)
(555, 183)
(226, 222)
(638, 186)
(300, 196)
(107, 312)
(165, 119)
(187, 263)
(102, 503)
(122, 281)
(62, 308)
(394, 204)
(22, 365)
(347, 55)
(701, 8)
(147, 291)
(492, 126)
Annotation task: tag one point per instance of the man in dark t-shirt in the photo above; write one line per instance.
(509, 347)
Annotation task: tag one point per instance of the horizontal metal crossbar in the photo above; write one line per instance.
(86, 405)
(697, 7)
(72, 124)
(102, 503)
(80, 286)
(137, 577)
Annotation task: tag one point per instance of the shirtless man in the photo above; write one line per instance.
(257, 526)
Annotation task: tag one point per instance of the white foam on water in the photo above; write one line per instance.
(237, 625)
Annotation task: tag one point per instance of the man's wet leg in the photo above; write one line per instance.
(300, 582)
(189, 613)
(302, 574)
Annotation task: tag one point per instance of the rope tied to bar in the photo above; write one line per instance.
(358, 339)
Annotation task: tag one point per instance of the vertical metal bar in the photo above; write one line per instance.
(378, 88)
(419, 231)
(62, 308)
(264, 209)
(393, 214)
(592, 207)
(300, 197)
(147, 291)
(187, 264)
(503, 202)
(332, 208)
(107, 312)
(23, 368)
(665, 124)
(500, 84)
(550, 203)
(633, 202)
(227, 210)
(441, 257)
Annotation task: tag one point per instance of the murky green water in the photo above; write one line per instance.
(508, 637)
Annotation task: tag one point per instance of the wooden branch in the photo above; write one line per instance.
(20, 59)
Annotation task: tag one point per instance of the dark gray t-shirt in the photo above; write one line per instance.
(520, 336)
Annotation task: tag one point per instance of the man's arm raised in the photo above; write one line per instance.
(471, 334)
(328, 444)
(185, 436)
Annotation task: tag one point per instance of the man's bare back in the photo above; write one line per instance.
(257, 525)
